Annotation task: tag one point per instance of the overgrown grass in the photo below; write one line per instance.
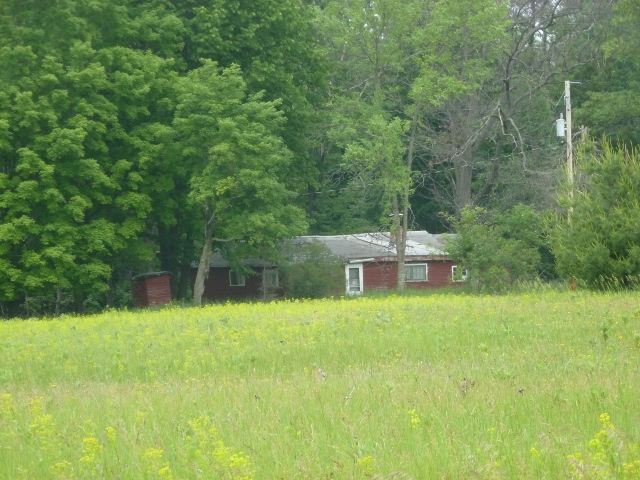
(366, 388)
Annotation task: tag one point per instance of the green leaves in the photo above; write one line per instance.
(497, 251)
(237, 162)
(377, 159)
(600, 245)
(72, 164)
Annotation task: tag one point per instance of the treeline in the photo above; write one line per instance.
(138, 135)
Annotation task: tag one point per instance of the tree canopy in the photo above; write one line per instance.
(140, 136)
(596, 242)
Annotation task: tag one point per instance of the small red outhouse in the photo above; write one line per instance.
(152, 288)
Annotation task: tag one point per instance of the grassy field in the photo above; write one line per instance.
(344, 389)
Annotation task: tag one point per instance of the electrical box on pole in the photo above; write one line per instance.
(560, 126)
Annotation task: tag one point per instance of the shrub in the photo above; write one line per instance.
(499, 250)
(310, 270)
(597, 241)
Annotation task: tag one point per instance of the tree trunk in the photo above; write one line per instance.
(400, 241)
(203, 271)
(78, 301)
(462, 165)
(205, 258)
(401, 212)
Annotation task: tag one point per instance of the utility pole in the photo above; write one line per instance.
(567, 103)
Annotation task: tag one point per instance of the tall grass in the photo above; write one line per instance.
(365, 388)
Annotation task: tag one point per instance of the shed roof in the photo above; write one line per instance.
(144, 276)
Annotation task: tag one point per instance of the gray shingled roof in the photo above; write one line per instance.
(377, 245)
(217, 260)
(360, 246)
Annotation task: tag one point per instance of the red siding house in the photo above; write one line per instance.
(223, 283)
(370, 263)
(371, 260)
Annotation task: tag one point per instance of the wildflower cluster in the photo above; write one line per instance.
(211, 455)
(609, 456)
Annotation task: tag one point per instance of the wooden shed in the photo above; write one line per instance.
(151, 288)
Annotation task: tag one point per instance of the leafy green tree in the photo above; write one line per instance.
(394, 61)
(610, 104)
(91, 188)
(495, 145)
(274, 43)
(597, 242)
(497, 251)
(231, 143)
(377, 161)
(74, 109)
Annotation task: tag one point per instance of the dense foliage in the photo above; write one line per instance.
(597, 241)
(495, 251)
(102, 155)
(310, 270)
(130, 129)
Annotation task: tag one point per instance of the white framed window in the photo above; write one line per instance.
(270, 278)
(456, 276)
(417, 273)
(236, 279)
(354, 278)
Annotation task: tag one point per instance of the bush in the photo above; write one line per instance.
(597, 241)
(500, 250)
(310, 270)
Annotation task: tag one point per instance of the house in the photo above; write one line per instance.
(224, 283)
(370, 260)
(370, 263)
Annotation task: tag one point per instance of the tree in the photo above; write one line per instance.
(498, 250)
(394, 61)
(237, 161)
(74, 109)
(377, 162)
(274, 43)
(91, 189)
(495, 144)
(597, 241)
(610, 104)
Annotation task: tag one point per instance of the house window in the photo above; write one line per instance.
(354, 279)
(271, 278)
(458, 276)
(416, 273)
(236, 279)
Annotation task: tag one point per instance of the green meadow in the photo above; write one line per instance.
(333, 389)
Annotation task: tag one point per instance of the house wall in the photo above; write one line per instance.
(381, 276)
(376, 276)
(217, 287)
